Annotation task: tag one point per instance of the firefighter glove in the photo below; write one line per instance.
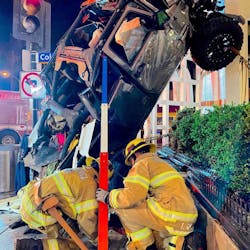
(102, 195)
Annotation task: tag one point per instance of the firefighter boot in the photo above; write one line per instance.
(29, 244)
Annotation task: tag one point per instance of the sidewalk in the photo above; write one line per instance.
(8, 215)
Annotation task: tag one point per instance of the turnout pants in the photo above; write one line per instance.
(143, 229)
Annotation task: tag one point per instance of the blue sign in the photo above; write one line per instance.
(44, 57)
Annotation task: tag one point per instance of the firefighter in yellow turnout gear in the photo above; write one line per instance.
(154, 199)
(75, 189)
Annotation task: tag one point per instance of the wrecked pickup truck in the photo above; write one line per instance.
(144, 42)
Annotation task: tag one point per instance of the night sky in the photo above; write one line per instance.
(63, 13)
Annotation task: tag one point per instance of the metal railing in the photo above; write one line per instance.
(213, 193)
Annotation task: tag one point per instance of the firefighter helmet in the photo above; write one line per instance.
(134, 146)
(95, 162)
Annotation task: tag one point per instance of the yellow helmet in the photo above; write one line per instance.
(95, 162)
(134, 146)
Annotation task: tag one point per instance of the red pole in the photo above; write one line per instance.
(103, 179)
(103, 208)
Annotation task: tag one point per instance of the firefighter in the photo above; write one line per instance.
(75, 189)
(154, 200)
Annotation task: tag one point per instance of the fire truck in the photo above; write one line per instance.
(15, 118)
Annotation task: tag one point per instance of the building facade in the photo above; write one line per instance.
(190, 86)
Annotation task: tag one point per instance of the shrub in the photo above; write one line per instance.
(219, 140)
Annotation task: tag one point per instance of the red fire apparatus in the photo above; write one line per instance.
(15, 117)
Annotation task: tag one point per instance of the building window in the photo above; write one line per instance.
(171, 93)
(192, 69)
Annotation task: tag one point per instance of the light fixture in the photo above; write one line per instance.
(4, 74)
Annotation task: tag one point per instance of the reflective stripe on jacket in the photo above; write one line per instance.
(155, 181)
(66, 185)
(85, 206)
(28, 209)
(64, 190)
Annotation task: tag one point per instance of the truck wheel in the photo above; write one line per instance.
(211, 44)
(9, 137)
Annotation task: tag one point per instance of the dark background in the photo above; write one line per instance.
(63, 13)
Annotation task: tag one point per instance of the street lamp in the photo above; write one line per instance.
(4, 74)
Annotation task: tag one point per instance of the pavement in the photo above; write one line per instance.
(8, 215)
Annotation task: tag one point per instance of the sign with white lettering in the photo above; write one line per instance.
(44, 57)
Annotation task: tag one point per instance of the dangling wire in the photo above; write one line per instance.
(242, 59)
(243, 75)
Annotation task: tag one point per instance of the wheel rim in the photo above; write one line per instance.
(219, 49)
(8, 140)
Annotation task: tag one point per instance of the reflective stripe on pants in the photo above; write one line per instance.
(173, 243)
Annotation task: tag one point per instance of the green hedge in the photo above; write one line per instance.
(219, 139)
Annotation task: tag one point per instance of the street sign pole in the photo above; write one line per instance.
(35, 109)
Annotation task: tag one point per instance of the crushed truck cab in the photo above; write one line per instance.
(144, 42)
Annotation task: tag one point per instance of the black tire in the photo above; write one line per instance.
(211, 44)
(9, 137)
